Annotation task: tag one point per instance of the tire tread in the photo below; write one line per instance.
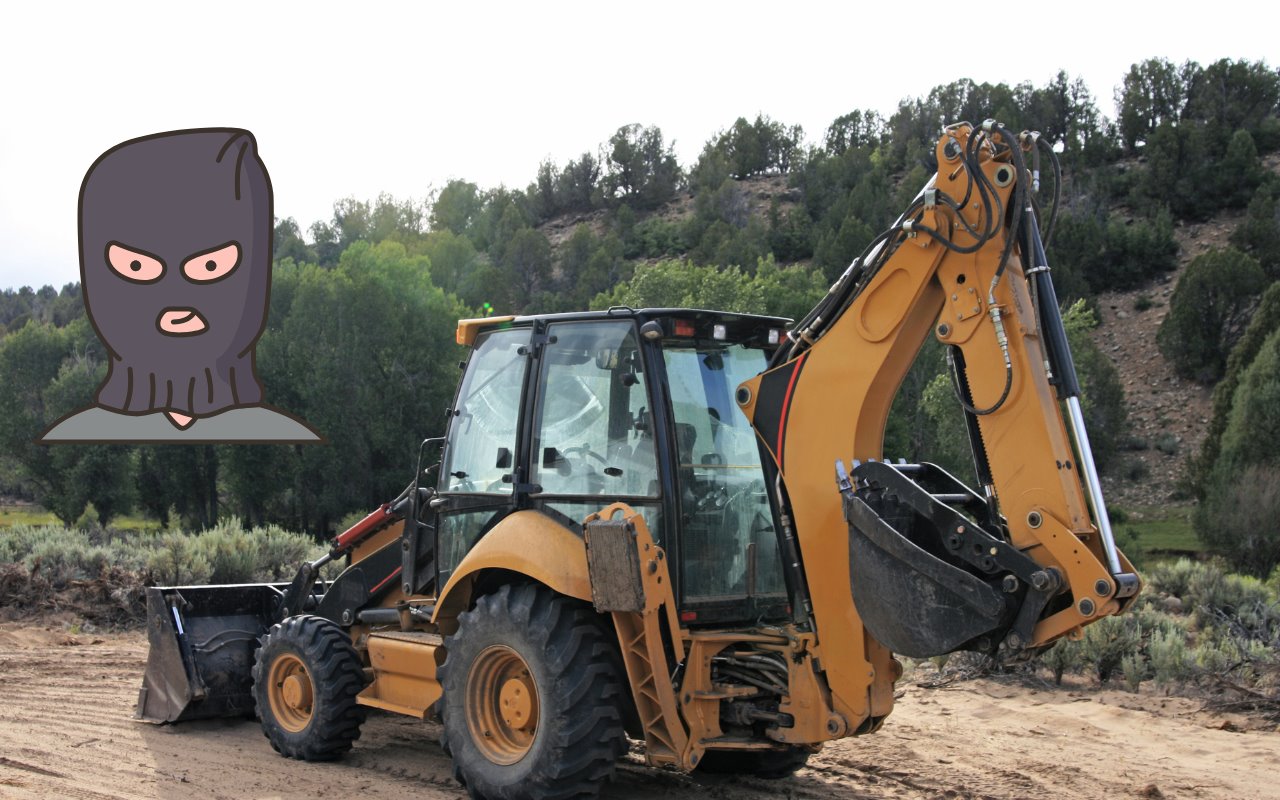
(337, 675)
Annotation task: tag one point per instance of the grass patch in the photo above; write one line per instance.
(12, 516)
(1162, 530)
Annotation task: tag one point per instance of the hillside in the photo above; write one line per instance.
(1167, 415)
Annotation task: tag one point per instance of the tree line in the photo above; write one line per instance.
(359, 339)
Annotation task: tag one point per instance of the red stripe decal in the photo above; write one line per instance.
(786, 406)
(375, 589)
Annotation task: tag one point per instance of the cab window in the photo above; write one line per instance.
(593, 434)
(482, 433)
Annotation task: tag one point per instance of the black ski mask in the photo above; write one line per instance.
(175, 258)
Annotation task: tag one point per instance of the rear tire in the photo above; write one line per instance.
(532, 697)
(768, 764)
(305, 680)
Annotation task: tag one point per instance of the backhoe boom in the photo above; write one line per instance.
(932, 566)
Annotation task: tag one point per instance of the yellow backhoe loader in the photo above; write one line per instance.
(678, 525)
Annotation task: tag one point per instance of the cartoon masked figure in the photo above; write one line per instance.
(175, 260)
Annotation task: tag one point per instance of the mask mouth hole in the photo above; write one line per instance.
(181, 322)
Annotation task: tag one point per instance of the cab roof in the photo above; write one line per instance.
(468, 329)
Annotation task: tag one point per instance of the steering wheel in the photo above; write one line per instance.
(583, 453)
(591, 480)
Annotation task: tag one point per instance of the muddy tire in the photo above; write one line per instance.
(306, 676)
(533, 700)
(768, 764)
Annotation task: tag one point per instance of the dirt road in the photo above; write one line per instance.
(66, 731)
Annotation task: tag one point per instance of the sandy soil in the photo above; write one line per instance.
(66, 731)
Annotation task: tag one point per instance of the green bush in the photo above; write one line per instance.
(65, 560)
(1174, 577)
(224, 554)
(1170, 659)
(178, 560)
(1134, 470)
(1062, 658)
(1134, 669)
(655, 237)
(1093, 252)
(1265, 320)
(1209, 312)
(1107, 642)
(1259, 233)
(1233, 620)
(1253, 424)
(1168, 444)
(17, 541)
(280, 552)
(1214, 654)
(236, 555)
(1242, 497)
(230, 552)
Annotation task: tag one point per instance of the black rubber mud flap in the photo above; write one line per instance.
(912, 602)
(202, 643)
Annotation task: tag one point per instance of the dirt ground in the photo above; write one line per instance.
(66, 731)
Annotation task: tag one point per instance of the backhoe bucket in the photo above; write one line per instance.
(927, 577)
(914, 603)
(203, 640)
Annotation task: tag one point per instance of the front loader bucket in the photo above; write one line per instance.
(203, 640)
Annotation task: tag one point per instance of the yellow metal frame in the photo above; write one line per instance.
(528, 542)
(679, 728)
(841, 402)
(404, 664)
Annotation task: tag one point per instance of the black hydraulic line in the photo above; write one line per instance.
(1019, 200)
(957, 383)
(793, 574)
(1047, 236)
(1054, 333)
(837, 300)
(992, 214)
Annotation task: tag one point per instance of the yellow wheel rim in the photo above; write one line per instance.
(502, 705)
(290, 693)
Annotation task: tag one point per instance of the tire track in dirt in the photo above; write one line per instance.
(66, 731)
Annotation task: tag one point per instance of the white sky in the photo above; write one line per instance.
(356, 99)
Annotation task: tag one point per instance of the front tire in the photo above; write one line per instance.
(305, 680)
(532, 697)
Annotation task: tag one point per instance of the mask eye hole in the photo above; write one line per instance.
(134, 265)
(212, 265)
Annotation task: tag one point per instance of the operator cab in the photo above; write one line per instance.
(568, 413)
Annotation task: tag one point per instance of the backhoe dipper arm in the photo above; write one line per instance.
(932, 566)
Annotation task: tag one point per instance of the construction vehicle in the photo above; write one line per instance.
(678, 525)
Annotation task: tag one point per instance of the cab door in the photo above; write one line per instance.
(592, 438)
(479, 477)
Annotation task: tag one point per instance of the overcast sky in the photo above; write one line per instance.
(353, 100)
